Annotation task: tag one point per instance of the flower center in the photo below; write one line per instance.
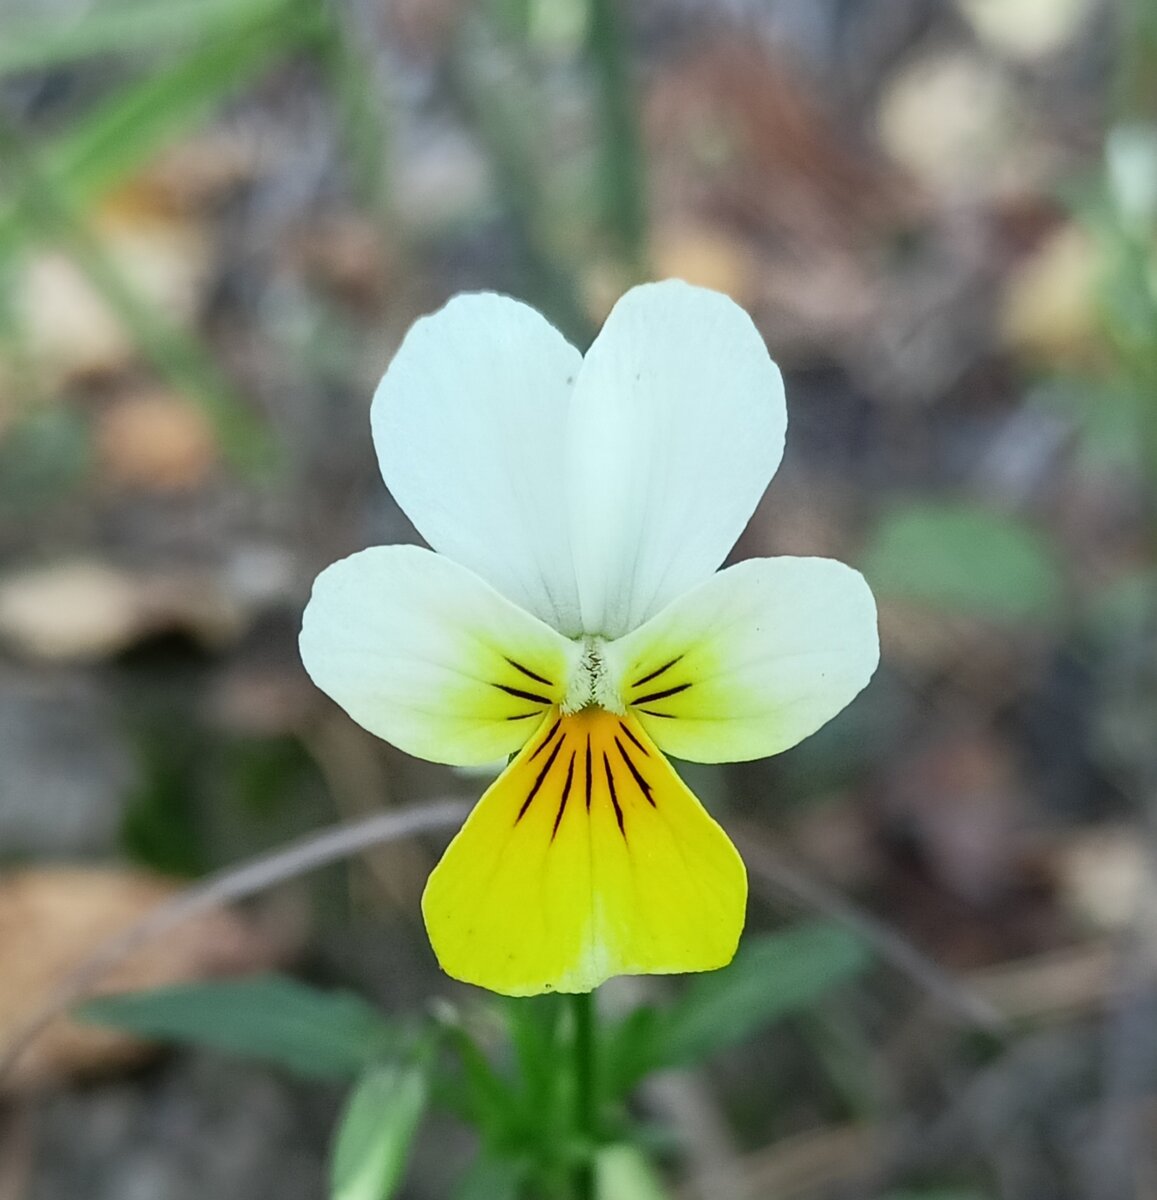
(591, 683)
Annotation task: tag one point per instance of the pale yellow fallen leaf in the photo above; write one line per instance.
(1026, 29)
(1049, 309)
(82, 610)
(69, 611)
(950, 118)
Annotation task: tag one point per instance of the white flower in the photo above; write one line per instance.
(573, 614)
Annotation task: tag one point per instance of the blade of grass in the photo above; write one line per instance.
(121, 29)
(505, 116)
(177, 355)
(624, 203)
(362, 106)
(109, 144)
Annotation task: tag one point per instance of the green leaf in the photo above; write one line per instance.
(480, 1096)
(110, 143)
(771, 977)
(492, 1178)
(628, 1049)
(43, 211)
(325, 1035)
(965, 559)
(623, 1172)
(534, 1031)
(377, 1128)
(117, 28)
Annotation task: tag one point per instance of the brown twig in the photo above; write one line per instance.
(224, 887)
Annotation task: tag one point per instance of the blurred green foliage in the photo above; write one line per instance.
(966, 559)
(315, 1034)
(376, 1130)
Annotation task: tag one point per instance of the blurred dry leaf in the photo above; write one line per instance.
(161, 252)
(201, 170)
(764, 195)
(803, 1165)
(1059, 983)
(1025, 29)
(737, 129)
(950, 119)
(1049, 309)
(1103, 875)
(706, 255)
(348, 255)
(156, 440)
(69, 611)
(82, 611)
(51, 919)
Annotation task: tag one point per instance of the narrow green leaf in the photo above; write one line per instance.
(120, 28)
(492, 1178)
(483, 1096)
(623, 1172)
(110, 143)
(628, 1050)
(318, 1034)
(770, 978)
(379, 1123)
(534, 1031)
(966, 559)
(179, 355)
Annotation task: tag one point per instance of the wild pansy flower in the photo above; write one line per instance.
(572, 614)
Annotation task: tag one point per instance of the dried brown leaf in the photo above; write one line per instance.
(50, 920)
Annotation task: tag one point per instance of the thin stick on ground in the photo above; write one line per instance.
(224, 887)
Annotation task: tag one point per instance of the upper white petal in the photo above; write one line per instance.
(677, 424)
(752, 661)
(470, 423)
(417, 649)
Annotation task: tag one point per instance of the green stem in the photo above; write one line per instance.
(623, 168)
(586, 1115)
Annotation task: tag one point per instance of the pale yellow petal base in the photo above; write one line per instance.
(587, 858)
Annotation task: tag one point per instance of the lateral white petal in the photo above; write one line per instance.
(677, 426)
(423, 653)
(752, 661)
(469, 424)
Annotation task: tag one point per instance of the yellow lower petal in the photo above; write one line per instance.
(587, 858)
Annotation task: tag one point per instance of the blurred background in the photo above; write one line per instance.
(217, 220)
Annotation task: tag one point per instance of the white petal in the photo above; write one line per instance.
(677, 425)
(423, 653)
(469, 423)
(752, 661)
